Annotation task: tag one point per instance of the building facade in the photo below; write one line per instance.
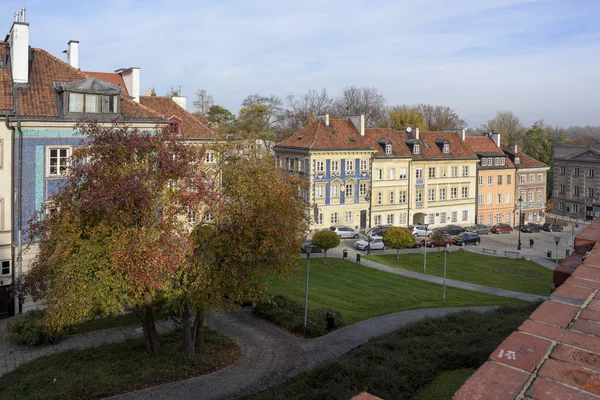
(576, 186)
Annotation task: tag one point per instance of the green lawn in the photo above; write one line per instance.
(359, 292)
(114, 368)
(445, 385)
(511, 274)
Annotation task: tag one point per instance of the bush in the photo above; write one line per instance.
(289, 315)
(29, 329)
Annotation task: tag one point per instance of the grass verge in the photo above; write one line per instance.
(114, 368)
(499, 272)
(359, 292)
(445, 385)
(400, 364)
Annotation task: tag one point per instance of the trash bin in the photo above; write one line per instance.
(358, 258)
(568, 253)
(330, 320)
(345, 254)
(549, 254)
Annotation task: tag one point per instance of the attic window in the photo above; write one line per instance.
(92, 103)
(351, 140)
(446, 149)
(388, 149)
(174, 128)
(416, 149)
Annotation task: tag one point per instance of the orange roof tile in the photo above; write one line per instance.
(431, 150)
(485, 144)
(191, 127)
(525, 160)
(110, 77)
(338, 135)
(376, 136)
(6, 92)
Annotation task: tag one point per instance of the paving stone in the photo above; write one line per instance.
(492, 381)
(587, 272)
(590, 314)
(586, 326)
(571, 294)
(572, 375)
(576, 356)
(521, 351)
(543, 389)
(565, 336)
(588, 283)
(556, 313)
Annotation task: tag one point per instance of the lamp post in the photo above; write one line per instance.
(308, 249)
(445, 251)
(425, 250)
(556, 240)
(520, 223)
(368, 198)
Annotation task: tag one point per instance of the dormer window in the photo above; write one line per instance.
(92, 103)
(446, 149)
(388, 149)
(416, 148)
(174, 128)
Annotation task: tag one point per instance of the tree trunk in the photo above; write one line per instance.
(146, 316)
(397, 254)
(188, 340)
(199, 331)
(325, 257)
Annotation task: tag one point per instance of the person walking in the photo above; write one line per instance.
(531, 243)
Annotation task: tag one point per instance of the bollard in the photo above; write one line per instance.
(358, 258)
(345, 254)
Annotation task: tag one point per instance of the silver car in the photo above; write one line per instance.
(376, 244)
(344, 232)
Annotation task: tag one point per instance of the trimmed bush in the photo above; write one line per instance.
(29, 329)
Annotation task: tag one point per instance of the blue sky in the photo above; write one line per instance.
(539, 58)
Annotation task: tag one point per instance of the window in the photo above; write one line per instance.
(539, 178)
(484, 162)
(498, 218)
(58, 161)
(348, 216)
(391, 173)
(523, 179)
(416, 149)
(499, 198)
(402, 173)
(490, 180)
(561, 189)
(349, 165)
(362, 189)
(442, 194)
(490, 199)
(442, 218)
(209, 157)
(499, 179)
(576, 171)
(377, 219)
(446, 148)
(507, 198)
(335, 165)
(208, 217)
(454, 171)
(320, 189)
(563, 170)
(334, 190)
(402, 197)
(432, 172)
(465, 192)
(489, 219)
(402, 219)
(575, 208)
(291, 164)
(507, 217)
(419, 173)
(480, 219)
(591, 172)
(431, 196)
(508, 179)
(320, 166)
(466, 170)
(364, 165)
(379, 198)
(561, 206)
(431, 218)
(378, 174)
(530, 197)
(391, 197)
(5, 267)
(590, 192)
(92, 103)
(390, 219)
(320, 219)
(444, 172)
(480, 199)
(388, 149)
(539, 195)
(531, 178)
(465, 215)
(454, 216)
(418, 195)
(334, 218)
(453, 193)
(575, 190)
(480, 180)
(349, 190)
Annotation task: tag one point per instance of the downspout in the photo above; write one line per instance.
(19, 214)
(12, 199)
(408, 199)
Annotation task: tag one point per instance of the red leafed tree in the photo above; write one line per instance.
(116, 232)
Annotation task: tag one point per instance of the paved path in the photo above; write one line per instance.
(270, 355)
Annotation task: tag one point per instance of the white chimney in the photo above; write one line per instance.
(181, 101)
(358, 121)
(131, 77)
(19, 49)
(496, 138)
(73, 53)
(417, 133)
(464, 134)
(513, 147)
(325, 118)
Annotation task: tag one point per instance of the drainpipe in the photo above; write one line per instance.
(19, 215)
(408, 198)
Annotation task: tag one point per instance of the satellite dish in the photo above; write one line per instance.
(408, 129)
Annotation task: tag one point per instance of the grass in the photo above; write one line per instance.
(358, 292)
(114, 368)
(499, 272)
(445, 385)
(402, 363)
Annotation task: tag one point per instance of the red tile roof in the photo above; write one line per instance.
(375, 136)
(431, 150)
(191, 127)
(485, 144)
(6, 92)
(526, 161)
(338, 135)
(110, 77)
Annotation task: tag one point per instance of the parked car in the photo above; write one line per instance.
(479, 229)
(314, 249)
(552, 227)
(377, 230)
(344, 232)
(376, 244)
(438, 241)
(531, 228)
(451, 229)
(501, 228)
(420, 230)
(418, 244)
(466, 238)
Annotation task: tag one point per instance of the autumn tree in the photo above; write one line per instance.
(508, 126)
(219, 116)
(254, 127)
(401, 117)
(326, 240)
(439, 118)
(398, 238)
(272, 107)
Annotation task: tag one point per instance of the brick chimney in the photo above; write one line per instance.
(19, 48)
(73, 53)
(131, 77)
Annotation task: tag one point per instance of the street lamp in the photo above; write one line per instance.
(556, 240)
(520, 223)
(445, 251)
(308, 249)
(368, 198)
(425, 250)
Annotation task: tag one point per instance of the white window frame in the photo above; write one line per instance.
(349, 191)
(523, 179)
(402, 173)
(419, 173)
(388, 149)
(378, 174)
(334, 190)
(68, 160)
(402, 197)
(334, 218)
(508, 180)
(348, 216)
(349, 165)
(499, 198)
(453, 193)
(431, 194)
(364, 165)
(465, 192)
(480, 199)
(480, 219)
(481, 180)
(391, 174)
(442, 218)
(454, 216)
(490, 219)
(320, 218)
(431, 172)
(530, 197)
(446, 148)
(507, 198)
(320, 191)
(392, 197)
(454, 171)
(377, 219)
(490, 180)
(442, 194)
(362, 189)
(465, 215)
(465, 170)
(532, 178)
(335, 165)
(591, 171)
(379, 200)
(320, 166)
(490, 199)
(539, 178)
(3, 264)
(419, 195)
(209, 157)
(416, 149)
(444, 172)
(390, 219)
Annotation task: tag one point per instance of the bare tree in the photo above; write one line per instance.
(439, 118)
(272, 102)
(203, 102)
(363, 100)
(302, 111)
(508, 126)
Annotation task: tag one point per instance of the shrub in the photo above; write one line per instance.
(289, 315)
(29, 329)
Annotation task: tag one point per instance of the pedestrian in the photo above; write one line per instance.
(531, 243)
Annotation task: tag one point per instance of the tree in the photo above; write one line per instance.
(402, 117)
(203, 102)
(219, 116)
(273, 107)
(508, 126)
(301, 112)
(326, 240)
(253, 126)
(439, 118)
(364, 100)
(398, 238)
(115, 232)
(537, 142)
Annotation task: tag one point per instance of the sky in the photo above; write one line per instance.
(538, 58)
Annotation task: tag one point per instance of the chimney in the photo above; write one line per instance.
(417, 133)
(131, 77)
(325, 118)
(513, 147)
(19, 48)
(463, 134)
(358, 121)
(496, 138)
(73, 53)
(181, 101)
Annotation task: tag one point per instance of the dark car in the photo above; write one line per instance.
(467, 238)
(501, 228)
(480, 229)
(377, 230)
(451, 229)
(314, 249)
(438, 241)
(552, 227)
(531, 228)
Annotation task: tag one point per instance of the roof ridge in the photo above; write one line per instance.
(146, 108)
(77, 70)
(319, 120)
